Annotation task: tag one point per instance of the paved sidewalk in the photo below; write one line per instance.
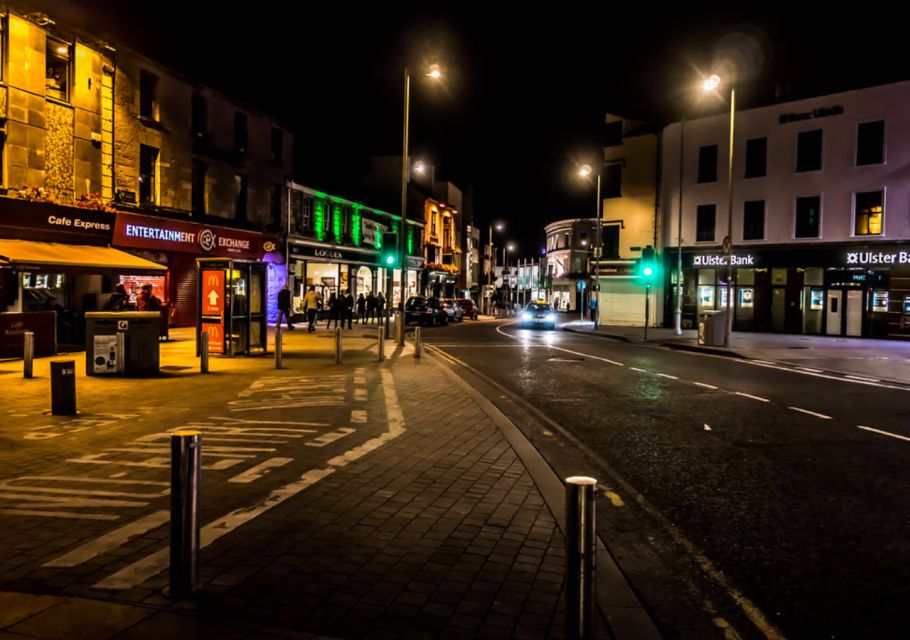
(433, 529)
(883, 359)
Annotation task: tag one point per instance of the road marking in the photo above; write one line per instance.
(358, 416)
(58, 514)
(260, 470)
(812, 413)
(637, 369)
(360, 380)
(664, 375)
(884, 433)
(863, 378)
(705, 385)
(820, 374)
(330, 437)
(110, 540)
(360, 395)
(749, 395)
(810, 370)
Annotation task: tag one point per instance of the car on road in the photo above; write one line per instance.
(453, 309)
(470, 309)
(423, 310)
(538, 313)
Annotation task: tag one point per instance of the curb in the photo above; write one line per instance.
(607, 336)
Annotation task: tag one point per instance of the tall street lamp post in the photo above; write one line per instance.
(499, 227)
(597, 250)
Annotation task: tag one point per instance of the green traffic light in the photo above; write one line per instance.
(649, 271)
(390, 260)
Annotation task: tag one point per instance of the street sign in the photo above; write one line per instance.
(727, 246)
(581, 285)
(212, 292)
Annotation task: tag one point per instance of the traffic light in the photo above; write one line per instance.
(647, 266)
(389, 258)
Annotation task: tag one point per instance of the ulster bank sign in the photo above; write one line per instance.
(866, 258)
(721, 261)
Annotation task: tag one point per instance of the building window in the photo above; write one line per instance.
(870, 213)
(307, 220)
(277, 145)
(198, 188)
(275, 203)
(707, 164)
(614, 134)
(148, 174)
(613, 180)
(199, 116)
(240, 184)
(870, 142)
(808, 217)
(58, 69)
(754, 220)
(704, 222)
(240, 132)
(756, 158)
(148, 95)
(809, 150)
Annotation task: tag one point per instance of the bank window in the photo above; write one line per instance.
(277, 145)
(870, 142)
(148, 174)
(613, 180)
(705, 217)
(756, 158)
(808, 217)
(707, 164)
(809, 150)
(198, 188)
(148, 95)
(199, 116)
(58, 69)
(870, 213)
(754, 220)
(240, 132)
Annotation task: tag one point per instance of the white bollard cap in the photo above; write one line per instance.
(581, 480)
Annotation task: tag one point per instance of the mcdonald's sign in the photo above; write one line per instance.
(212, 292)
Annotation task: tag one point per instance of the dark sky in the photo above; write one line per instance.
(525, 89)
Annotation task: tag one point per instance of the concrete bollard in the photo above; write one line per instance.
(339, 347)
(279, 355)
(380, 336)
(63, 388)
(28, 354)
(204, 352)
(186, 474)
(417, 345)
(580, 556)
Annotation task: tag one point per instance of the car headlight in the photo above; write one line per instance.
(525, 316)
(551, 317)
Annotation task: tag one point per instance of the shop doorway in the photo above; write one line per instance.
(834, 315)
(844, 316)
(854, 311)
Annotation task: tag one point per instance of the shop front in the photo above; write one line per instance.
(839, 290)
(178, 243)
(332, 270)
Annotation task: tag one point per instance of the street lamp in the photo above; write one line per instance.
(710, 84)
(585, 172)
(499, 226)
(508, 248)
(434, 73)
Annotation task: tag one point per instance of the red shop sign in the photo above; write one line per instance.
(212, 292)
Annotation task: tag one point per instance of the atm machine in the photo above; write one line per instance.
(232, 306)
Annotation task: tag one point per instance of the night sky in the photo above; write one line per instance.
(525, 90)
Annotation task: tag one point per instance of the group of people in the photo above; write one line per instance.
(146, 300)
(341, 309)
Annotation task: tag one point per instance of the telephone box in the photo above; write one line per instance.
(232, 306)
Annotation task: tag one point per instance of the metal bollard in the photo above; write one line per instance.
(204, 352)
(28, 354)
(339, 348)
(121, 352)
(186, 473)
(417, 342)
(380, 334)
(580, 556)
(63, 388)
(279, 356)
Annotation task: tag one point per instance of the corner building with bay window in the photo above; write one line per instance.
(821, 215)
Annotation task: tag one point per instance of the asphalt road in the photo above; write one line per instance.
(742, 499)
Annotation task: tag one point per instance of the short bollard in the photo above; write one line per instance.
(204, 352)
(580, 556)
(339, 348)
(279, 356)
(417, 345)
(121, 352)
(380, 334)
(28, 354)
(186, 472)
(63, 388)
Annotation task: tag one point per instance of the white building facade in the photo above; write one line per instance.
(820, 222)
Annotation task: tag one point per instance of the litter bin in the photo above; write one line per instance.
(711, 328)
(136, 353)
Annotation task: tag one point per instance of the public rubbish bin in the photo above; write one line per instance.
(711, 328)
(122, 342)
(63, 388)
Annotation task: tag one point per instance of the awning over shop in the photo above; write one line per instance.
(44, 256)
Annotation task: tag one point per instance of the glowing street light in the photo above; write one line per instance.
(711, 83)
(585, 171)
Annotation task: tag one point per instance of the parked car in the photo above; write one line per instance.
(424, 310)
(453, 309)
(538, 313)
(470, 309)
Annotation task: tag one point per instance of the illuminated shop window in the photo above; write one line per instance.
(870, 214)
(58, 69)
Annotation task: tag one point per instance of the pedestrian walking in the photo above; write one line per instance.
(284, 307)
(311, 308)
(347, 309)
(371, 306)
(380, 307)
(361, 308)
(334, 310)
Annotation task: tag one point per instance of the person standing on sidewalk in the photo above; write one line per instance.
(334, 310)
(348, 310)
(284, 307)
(311, 308)
(361, 308)
(371, 306)
(380, 307)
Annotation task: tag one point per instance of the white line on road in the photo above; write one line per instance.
(750, 396)
(665, 375)
(884, 433)
(330, 437)
(358, 416)
(58, 514)
(360, 395)
(705, 385)
(637, 369)
(812, 413)
(810, 370)
(110, 540)
(864, 378)
(260, 470)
